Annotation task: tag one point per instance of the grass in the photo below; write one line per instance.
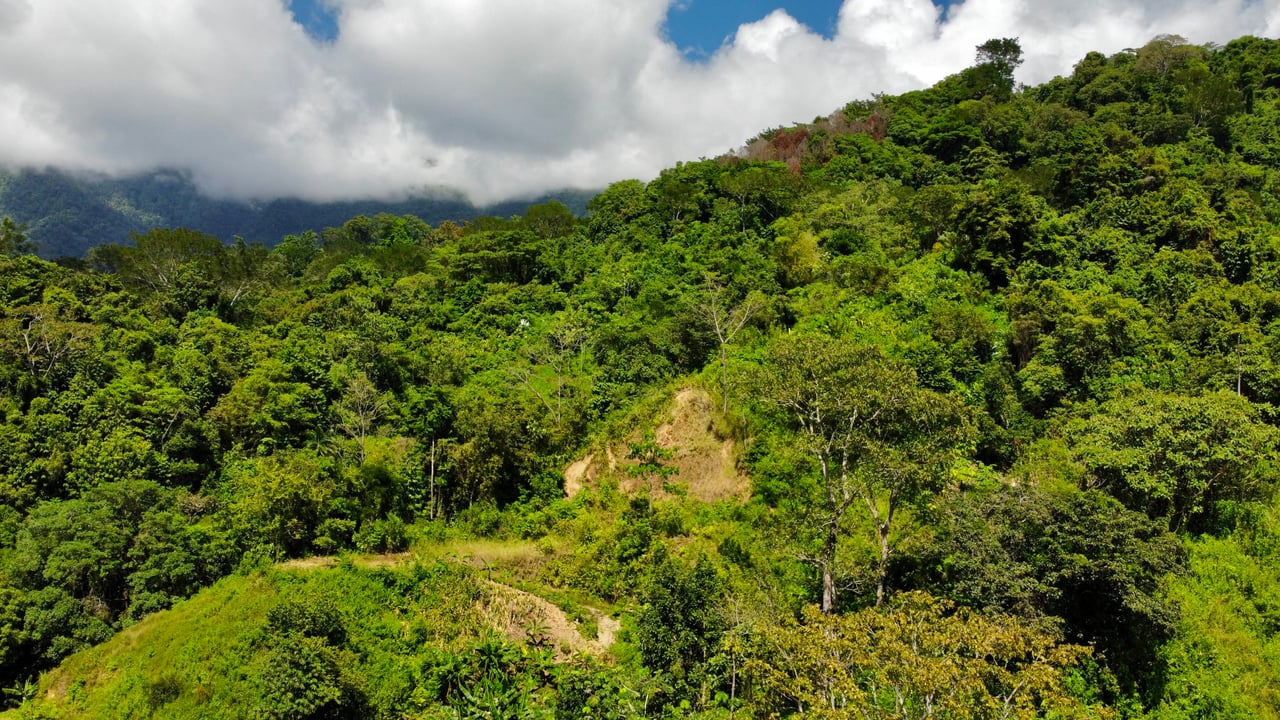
(1224, 661)
(209, 656)
(195, 647)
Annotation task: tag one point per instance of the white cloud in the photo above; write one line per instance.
(496, 97)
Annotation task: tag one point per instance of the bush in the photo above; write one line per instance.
(383, 536)
(309, 615)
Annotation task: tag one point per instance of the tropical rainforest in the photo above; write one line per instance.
(954, 404)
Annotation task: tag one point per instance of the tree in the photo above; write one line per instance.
(918, 658)
(45, 338)
(877, 437)
(298, 251)
(1003, 55)
(560, 347)
(651, 464)
(1178, 457)
(1164, 54)
(550, 219)
(160, 259)
(1080, 557)
(994, 227)
(763, 191)
(992, 75)
(680, 623)
(267, 408)
(305, 677)
(360, 410)
(13, 238)
(501, 444)
(426, 416)
(726, 321)
(681, 192)
(279, 502)
(245, 269)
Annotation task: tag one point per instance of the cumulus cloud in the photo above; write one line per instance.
(498, 98)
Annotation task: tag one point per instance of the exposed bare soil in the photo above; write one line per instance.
(706, 465)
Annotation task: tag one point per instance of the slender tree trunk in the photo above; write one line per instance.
(431, 498)
(882, 570)
(733, 683)
(724, 376)
(827, 561)
(1239, 369)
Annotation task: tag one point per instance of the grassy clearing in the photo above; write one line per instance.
(217, 655)
(183, 662)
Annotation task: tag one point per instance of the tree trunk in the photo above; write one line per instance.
(724, 377)
(882, 570)
(827, 562)
(733, 684)
(431, 500)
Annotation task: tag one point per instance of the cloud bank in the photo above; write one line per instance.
(498, 98)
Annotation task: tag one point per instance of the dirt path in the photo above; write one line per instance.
(525, 617)
(361, 561)
(520, 615)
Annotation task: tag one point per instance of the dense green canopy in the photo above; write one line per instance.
(999, 363)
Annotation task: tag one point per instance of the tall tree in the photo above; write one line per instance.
(1002, 54)
(879, 439)
(1178, 457)
(726, 321)
(360, 410)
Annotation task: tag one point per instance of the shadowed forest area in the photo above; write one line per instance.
(953, 404)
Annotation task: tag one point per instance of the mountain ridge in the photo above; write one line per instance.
(67, 214)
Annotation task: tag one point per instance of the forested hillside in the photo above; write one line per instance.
(67, 215)
(995, 367)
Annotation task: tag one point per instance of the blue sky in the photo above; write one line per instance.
(697, 27)
(320, 22)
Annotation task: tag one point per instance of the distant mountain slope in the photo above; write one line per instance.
(67, 214)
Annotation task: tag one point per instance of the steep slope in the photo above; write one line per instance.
(707, 467)
(373, 630)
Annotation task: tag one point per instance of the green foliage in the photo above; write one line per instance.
(1189, 459)
(322, 643)
(301, 677)
(1223, 660)
(492, 679)
(679, 624)
(281, 500)
(13, 238)
(1079, 558)
(879, 441)
(999, 57)
(916, 658)
(1012, 347)
(994, 227)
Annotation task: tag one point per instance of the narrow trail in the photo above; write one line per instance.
(525, 617)
(520, 615)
